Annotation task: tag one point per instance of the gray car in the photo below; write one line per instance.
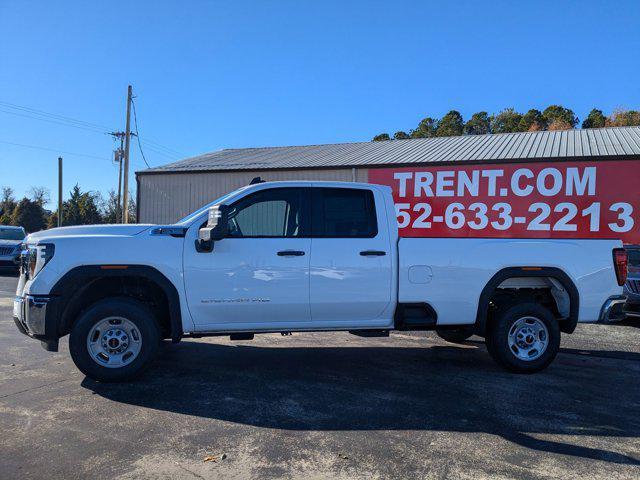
(10, 241)
(632, 287)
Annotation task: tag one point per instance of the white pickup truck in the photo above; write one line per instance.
(304, 256)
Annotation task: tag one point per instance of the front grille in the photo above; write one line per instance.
(6, 250)
(633, 286)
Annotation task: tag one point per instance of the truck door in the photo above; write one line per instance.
(351, 259)
(257, 277)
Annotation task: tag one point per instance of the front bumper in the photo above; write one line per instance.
(30, 314)
(631, 309)
(12, 261)
(611, 311)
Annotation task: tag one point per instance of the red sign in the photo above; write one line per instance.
(535, 200)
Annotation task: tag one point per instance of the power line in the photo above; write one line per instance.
(49, 120)
(160, 152)
(162, 147)
(35, 114)
(52, 115)
(135, 122)
(53, 150)
(156, 146)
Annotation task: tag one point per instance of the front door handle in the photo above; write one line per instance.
(290, 253)
(373, 253)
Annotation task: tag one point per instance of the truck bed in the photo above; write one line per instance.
(432, 268)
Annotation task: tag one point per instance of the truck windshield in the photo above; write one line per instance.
(11, 234)
(192, 216)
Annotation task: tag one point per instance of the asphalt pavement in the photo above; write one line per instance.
(323, 405)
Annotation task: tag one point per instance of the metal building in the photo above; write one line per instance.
(170, 192)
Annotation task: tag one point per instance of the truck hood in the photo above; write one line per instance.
(88, 230)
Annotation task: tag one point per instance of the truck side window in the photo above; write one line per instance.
(343, 213)
(276, 212)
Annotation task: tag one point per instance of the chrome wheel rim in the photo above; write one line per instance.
(528, 338)
(114, 342)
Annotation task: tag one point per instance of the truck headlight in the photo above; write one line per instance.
(38, 256)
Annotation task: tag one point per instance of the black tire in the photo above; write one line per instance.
(497, 338)
(129, 309)
(456, 335)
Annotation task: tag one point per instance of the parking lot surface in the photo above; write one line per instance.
(323, 406)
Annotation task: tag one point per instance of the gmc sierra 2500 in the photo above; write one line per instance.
(304, 256)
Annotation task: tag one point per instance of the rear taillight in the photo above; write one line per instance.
(620, 262)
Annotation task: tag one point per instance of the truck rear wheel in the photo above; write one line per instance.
(114, 340)
(523, 338)
(456, 335)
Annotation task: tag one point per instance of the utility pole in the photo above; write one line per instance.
(127, 143)
(59, 191)
(118, 156)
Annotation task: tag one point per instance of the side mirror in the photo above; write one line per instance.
(216, 229)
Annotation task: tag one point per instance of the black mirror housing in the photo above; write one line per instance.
(216, 229)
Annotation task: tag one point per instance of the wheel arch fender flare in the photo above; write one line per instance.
(566, 326)
(85, 274)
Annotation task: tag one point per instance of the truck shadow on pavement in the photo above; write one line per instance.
(439, 388)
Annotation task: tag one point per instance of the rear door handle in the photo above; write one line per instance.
(373, 253)
(290, 253)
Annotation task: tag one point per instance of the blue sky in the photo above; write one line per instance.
(211, 75)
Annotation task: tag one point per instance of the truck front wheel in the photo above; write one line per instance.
(114, 340)
(523, 338)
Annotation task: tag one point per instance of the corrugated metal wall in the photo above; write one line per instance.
(167, 197)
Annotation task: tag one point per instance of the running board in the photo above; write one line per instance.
(241, 336)
(369, 333)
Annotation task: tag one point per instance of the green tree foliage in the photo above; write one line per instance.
(81, 209)
(623, 118)
(450, 125)
(111, 211)
(133, 217)
(532, 121)
(381, 137)
(478, 124)
(40, 195)
(559, 124)
(29, 214)
(52, 220)
(426, 128)
(89, 208)
(7, 204)
(508, 120)
(554, 117)
(595, 119)
(400, 135)
(560, 116)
